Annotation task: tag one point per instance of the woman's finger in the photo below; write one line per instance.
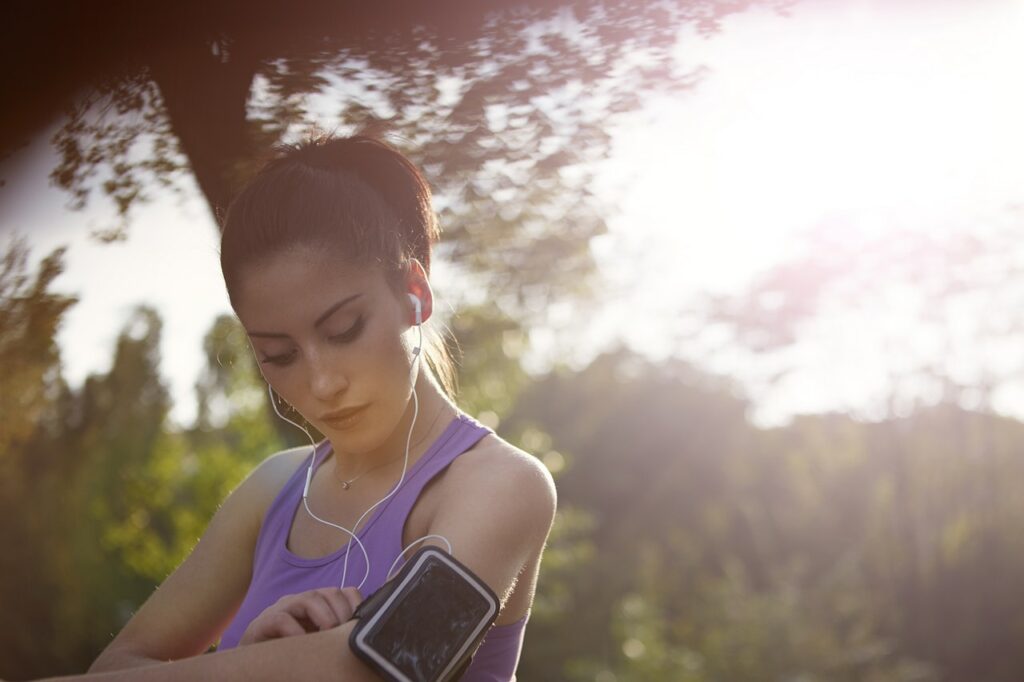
(297, 614)
(314, 607)
(353, 596)
(341, 601)
(281, 624)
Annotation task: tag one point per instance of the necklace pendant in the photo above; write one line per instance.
(345, 485)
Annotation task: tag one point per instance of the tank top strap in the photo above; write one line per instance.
(467, 433)
(277, 519)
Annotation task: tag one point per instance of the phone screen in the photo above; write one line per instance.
(438, 614)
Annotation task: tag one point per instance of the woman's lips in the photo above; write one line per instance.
(343, 417)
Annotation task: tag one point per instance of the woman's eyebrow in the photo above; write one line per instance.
(327, 313)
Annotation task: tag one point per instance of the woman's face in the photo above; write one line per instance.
(329, 337)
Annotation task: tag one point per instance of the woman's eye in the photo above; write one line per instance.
(351, 333)
(279, 359)
(346, 336)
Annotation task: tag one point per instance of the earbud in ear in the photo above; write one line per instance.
(414, 299)
(419, 307)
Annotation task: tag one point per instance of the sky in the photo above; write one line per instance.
(877, 116)
(869, 117)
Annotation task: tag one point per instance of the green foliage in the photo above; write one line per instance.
(29, 319)
(490, 376)
(827, 550)
(100, 499)
(30, 386)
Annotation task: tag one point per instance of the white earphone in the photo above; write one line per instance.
(419, 307)
(419, 321)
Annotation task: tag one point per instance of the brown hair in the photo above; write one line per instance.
(358, 196)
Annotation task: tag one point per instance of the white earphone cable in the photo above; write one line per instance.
(401, 554)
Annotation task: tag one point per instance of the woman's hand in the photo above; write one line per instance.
(297, 614)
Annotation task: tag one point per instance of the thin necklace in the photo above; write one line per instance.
(346, 484)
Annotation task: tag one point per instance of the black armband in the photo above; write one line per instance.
(424, 624)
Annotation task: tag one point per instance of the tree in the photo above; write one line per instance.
(30, 384)
(507, 105)
(29, 319)
(692, 546)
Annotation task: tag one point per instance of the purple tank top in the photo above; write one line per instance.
(278, 572)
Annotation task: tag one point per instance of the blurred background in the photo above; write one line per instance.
(745, 276)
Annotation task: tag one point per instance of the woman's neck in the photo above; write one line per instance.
(432, 417)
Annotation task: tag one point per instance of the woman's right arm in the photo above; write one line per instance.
(188, 612)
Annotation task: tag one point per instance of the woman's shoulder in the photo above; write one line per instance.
(279, 466)
(499, 470)
(266, 480)
(496, 507)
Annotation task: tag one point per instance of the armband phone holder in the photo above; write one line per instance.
(424, 624)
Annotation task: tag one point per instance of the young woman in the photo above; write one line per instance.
(326, 258)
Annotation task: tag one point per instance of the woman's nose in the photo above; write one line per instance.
(327, 381)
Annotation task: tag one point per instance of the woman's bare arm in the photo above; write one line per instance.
(187, 613)
(314, 657)
(501, 518)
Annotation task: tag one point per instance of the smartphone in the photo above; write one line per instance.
(425, 624)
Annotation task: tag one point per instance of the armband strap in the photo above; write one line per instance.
(424, 624)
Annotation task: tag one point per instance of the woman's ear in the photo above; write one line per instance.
(417, 284)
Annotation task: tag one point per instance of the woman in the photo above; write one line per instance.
(326, 257)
